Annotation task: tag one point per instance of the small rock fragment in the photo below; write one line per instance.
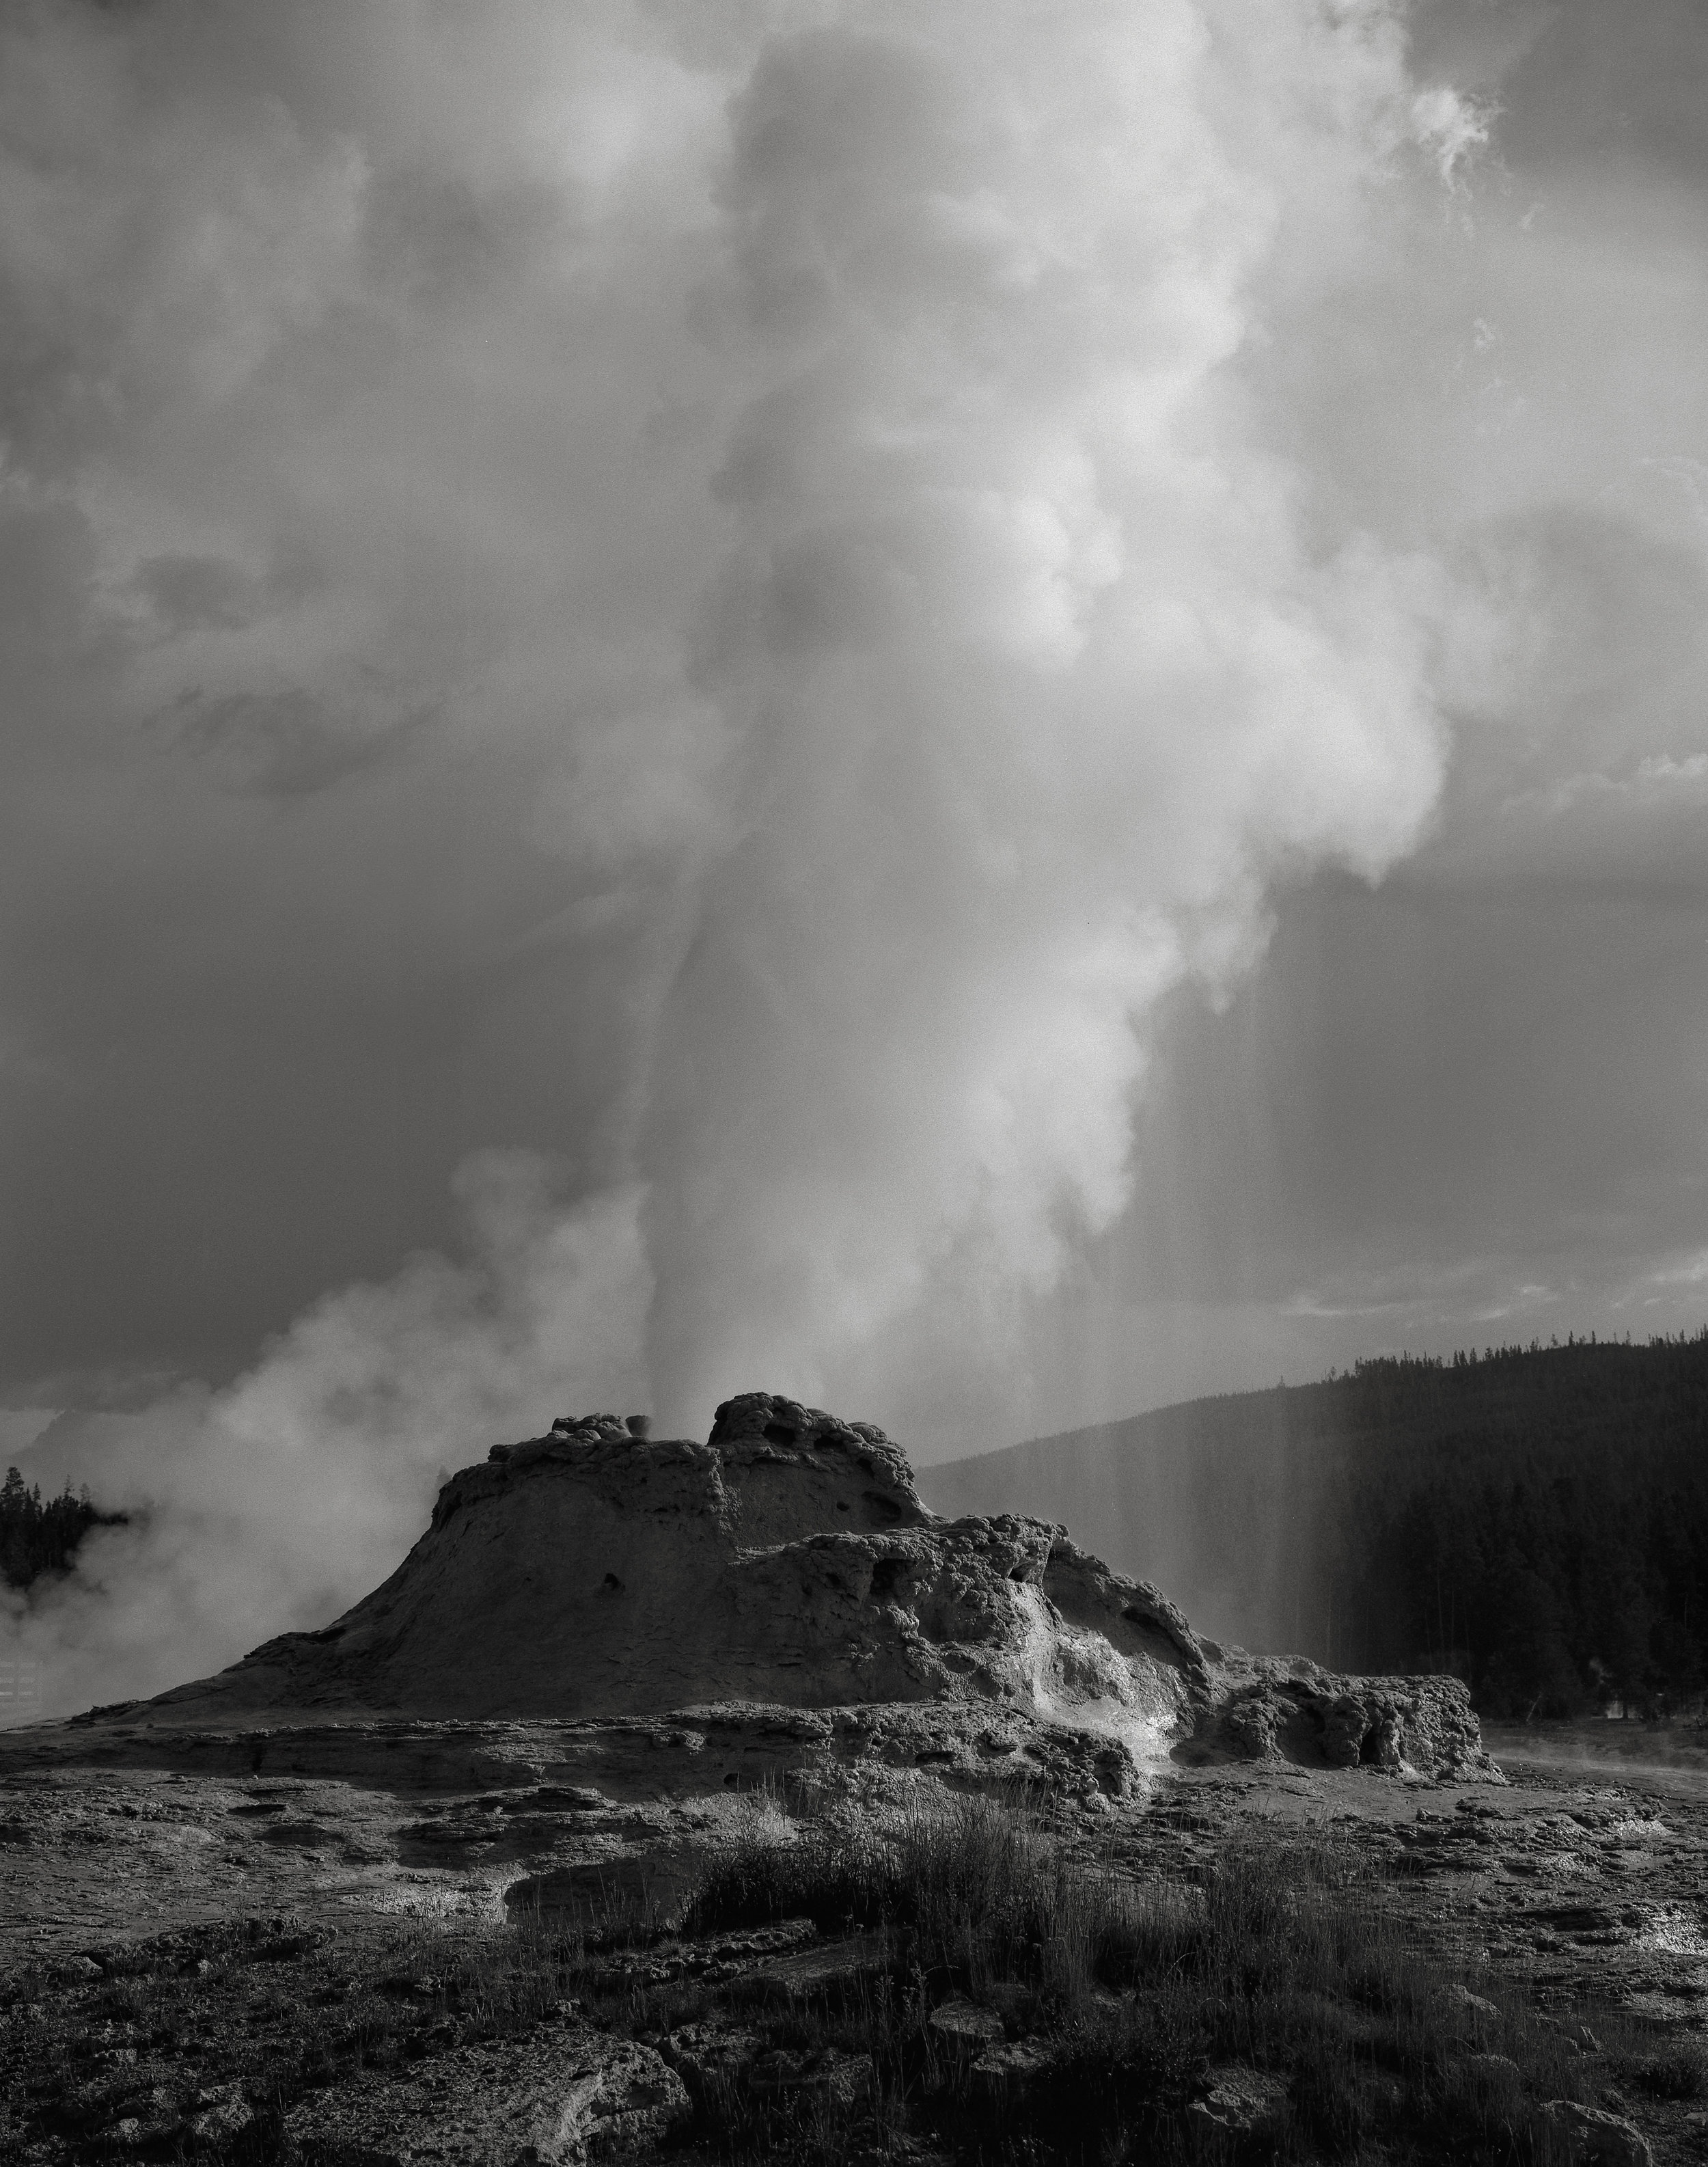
(1238, 2102)
(222, 2118)
(1008, 2067)
(832, 1967)
(712, 2052)
(825, 2072)
(1460, 1998)
(964, 2022)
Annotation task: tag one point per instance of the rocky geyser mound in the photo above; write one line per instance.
(789, 1560)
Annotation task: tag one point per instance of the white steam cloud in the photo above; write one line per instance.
(795, 463)
(278, 1500)
(1031, 672)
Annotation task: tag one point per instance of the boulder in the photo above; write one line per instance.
(1498, 2068)
(1288, 1709)
(1592, 2134)
(1458, 2001)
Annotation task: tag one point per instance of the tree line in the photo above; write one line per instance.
(40, 1535)
(1534, 1519)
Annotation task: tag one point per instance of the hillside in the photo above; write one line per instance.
(1536, 1519)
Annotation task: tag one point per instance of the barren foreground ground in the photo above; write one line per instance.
(477, 1947)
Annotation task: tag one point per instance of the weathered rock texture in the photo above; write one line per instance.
(1285, 1708)
(564, 2097)
(788, 1560)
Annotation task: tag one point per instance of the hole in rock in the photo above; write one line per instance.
(1018, 1572)
(886, 1508)
(886, 1575)
(779, 1434)
(1370, 1748)
(611, 1585)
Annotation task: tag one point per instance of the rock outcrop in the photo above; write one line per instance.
(1287, 1708)
(596, 1572)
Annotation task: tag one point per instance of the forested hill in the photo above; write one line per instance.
(1535, 1518)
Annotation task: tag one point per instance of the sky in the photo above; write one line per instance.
(991, 713)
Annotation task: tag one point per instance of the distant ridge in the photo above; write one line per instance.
(1535, 1518)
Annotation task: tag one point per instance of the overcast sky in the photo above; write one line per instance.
(994, 713)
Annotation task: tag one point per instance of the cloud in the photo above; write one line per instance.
(1580, 757)
(198, 593)
(1658, 779)
(286, 744)
(1453, 128)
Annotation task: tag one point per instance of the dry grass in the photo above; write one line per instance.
(1286, 1961)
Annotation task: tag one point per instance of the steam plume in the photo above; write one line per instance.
(1031, 676)
(866, 559)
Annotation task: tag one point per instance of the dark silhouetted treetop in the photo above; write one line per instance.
(38, 1537)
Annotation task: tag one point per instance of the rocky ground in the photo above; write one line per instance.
(259, 1964)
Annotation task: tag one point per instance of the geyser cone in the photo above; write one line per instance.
(594, 1572)
(599, 1573)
